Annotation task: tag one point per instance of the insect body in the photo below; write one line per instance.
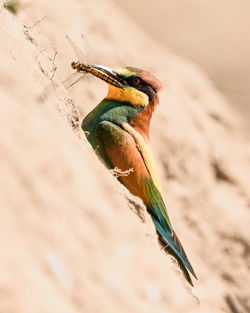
(96, 71)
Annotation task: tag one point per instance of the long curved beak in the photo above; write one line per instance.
(103, 72)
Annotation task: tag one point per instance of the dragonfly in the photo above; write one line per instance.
(83, 56)
(84, 68)
(81, 66)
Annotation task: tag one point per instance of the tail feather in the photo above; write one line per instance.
(166, 234)
(183, 254)
(166, 248)
(174, 245)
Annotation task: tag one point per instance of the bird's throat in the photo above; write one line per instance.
(129, 94)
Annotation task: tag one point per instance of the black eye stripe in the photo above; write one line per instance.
(142, 86)
(130, 81)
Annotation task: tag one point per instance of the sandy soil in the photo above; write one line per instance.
(71, 239)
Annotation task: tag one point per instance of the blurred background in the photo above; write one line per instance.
(71, 240)
(214, 34)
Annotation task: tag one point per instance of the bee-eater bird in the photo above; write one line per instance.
(118, 130)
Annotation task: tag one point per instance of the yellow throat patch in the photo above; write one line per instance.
(127, 94)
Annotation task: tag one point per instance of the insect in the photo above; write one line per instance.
(82, 65)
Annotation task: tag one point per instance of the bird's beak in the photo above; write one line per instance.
(107, 74)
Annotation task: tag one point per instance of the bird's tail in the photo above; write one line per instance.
(167, 248)
(166, 234)
(170, 243)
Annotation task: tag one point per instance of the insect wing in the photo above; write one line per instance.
(72, 79)
(85, 56)
(82, 58)
(91, 57)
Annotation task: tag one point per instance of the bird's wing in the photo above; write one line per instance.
(118, 149)
(127, 150)
(145, 152)
(158, 209)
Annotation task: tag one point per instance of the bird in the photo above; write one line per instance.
(118, 131)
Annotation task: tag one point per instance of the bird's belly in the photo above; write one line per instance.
(131, 170)
(125, 157)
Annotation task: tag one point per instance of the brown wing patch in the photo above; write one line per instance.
(124, 155)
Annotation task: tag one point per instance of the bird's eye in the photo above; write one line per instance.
(136, 81)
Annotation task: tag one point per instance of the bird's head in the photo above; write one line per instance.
(132, 86)
(129, 84)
